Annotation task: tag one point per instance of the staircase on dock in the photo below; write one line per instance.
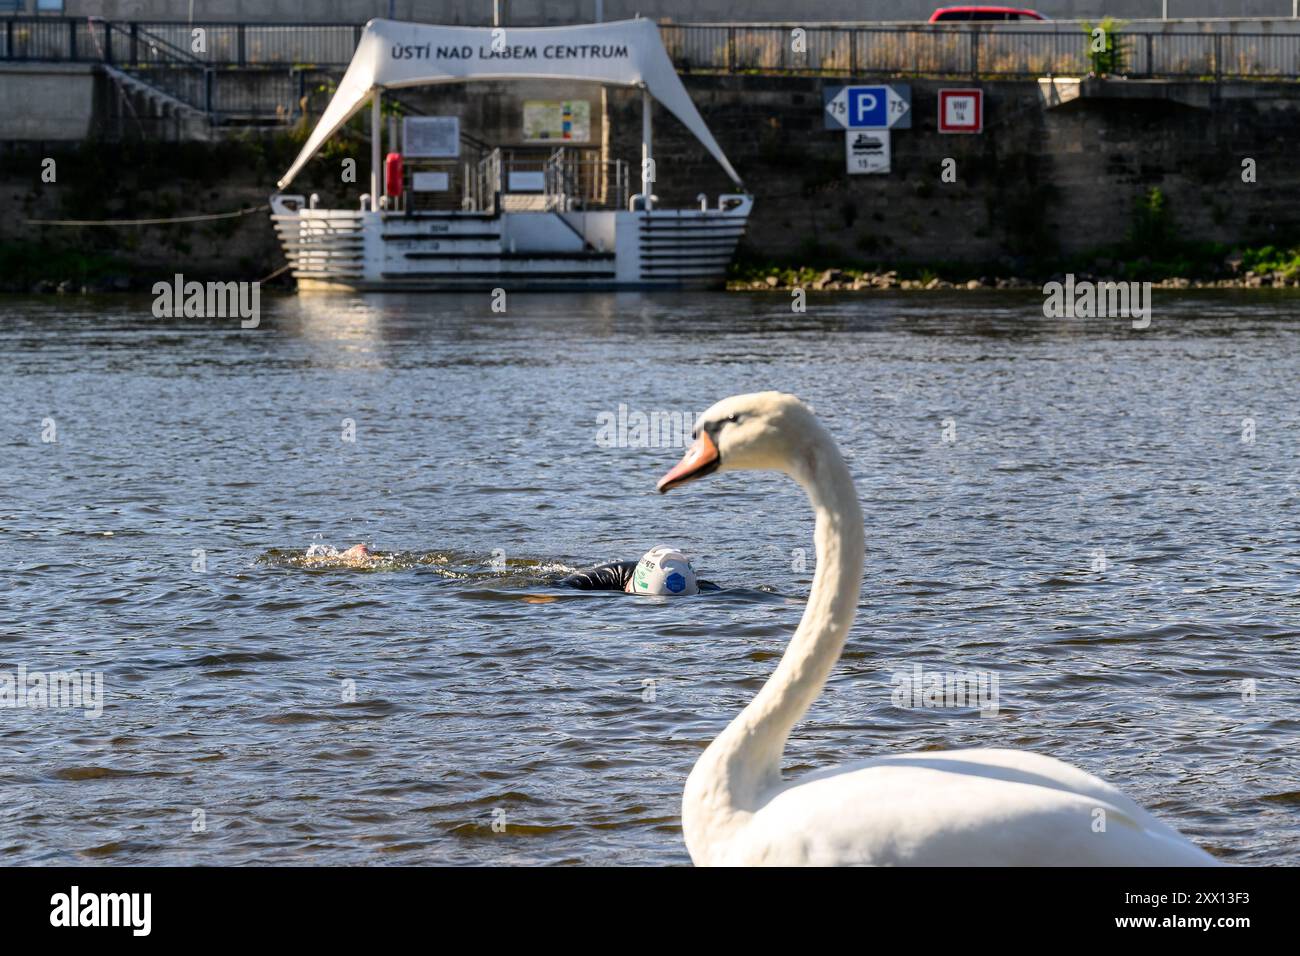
(157, 80)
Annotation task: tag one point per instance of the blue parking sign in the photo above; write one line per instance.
(868, 107)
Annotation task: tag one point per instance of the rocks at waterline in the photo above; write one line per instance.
(835, 280)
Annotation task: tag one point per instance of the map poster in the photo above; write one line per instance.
(431, 136)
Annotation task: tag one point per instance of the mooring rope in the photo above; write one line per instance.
(146, 222)
(279, 271)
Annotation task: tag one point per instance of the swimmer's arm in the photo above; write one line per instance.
(604, 577)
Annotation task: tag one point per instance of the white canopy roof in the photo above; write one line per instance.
(393, 54)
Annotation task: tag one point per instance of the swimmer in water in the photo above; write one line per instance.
(661, 571)
(357, 556)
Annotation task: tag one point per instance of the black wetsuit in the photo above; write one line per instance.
(614, 577)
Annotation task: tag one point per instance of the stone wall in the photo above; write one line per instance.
(1037, 182)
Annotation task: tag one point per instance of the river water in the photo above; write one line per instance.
(1103, 519)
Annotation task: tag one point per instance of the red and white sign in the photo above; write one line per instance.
(961, 111)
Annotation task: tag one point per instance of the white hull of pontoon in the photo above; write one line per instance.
(341, 250)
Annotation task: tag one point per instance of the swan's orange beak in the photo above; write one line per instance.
(700, 459)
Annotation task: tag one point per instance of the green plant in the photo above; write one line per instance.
(1271, 259)
(1106, 46)
(1152, 227)
(27, 262)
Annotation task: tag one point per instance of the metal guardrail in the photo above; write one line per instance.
(137, 43)
(577, 179)
(162, 56)
(947, 51)
(905, 50)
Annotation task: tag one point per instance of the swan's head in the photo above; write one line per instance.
(762, 431)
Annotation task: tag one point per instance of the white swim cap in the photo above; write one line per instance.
(664, 570)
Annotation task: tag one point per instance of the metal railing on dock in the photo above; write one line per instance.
(1145, 48)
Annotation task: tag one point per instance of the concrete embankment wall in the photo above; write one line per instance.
(1037, 182)
(53, 101)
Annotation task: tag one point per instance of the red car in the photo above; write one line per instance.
(967, 14)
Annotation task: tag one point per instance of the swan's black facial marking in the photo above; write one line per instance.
(713, 429)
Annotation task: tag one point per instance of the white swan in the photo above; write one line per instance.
(963, 807)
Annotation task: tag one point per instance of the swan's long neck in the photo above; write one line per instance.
(734, 775)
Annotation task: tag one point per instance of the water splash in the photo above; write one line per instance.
(463, 566)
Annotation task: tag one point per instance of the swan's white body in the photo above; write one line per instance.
(953, 808)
